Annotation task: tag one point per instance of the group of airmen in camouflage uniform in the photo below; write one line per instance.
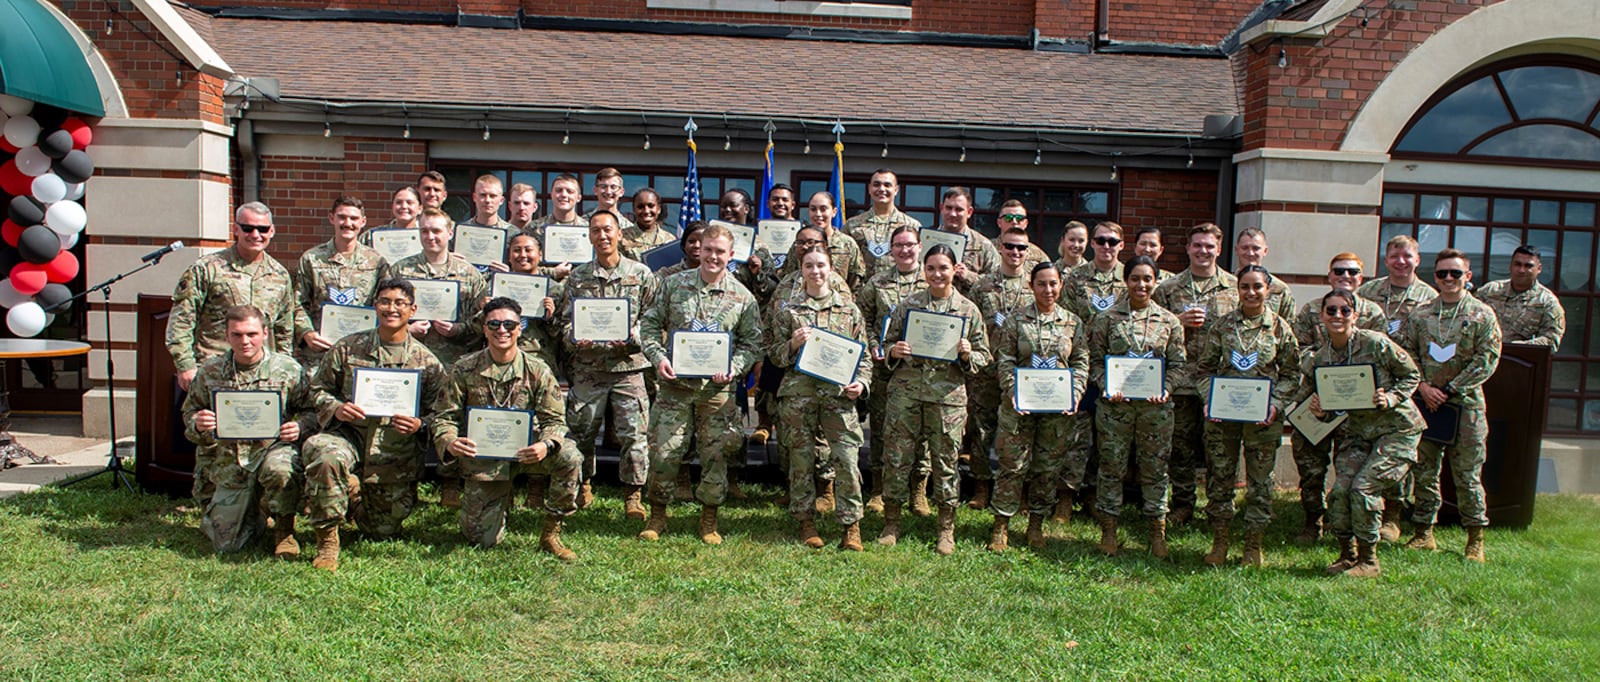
(241, 321)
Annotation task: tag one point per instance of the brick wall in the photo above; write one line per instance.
(145, 65)
(1175, 22)
(1173, 200)
(299, 190)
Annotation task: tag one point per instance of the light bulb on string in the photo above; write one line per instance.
(1283, 58)
(1113, 172)
(647, 141)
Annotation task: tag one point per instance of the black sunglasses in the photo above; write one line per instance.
(1347, 272)
(253, 228)
(1107, 241)
(1449, 274)
(1015, 247)
(507, 325)
(1338, 310)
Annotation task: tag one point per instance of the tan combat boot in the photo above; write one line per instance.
(708, 526)
(946, 543)
(919, 496)
(852, 538)
(824, 502)
(352, 494)
(891, 524)
(1422, 538)
(980, 495)
(538, 486)
(875, 502)
(327, 549)
(1389, 531)
(1474, 550)
(550, 539)
(632, 502)
(450, 493)
(808, 534)
(1036, 531)
(1063, 511)
(1158, 538)
(1252, 549)
(685, 490)
(999, 536)
(1347, 557)
(657, 525)
(1219, 545)
(284, 546)
(1366, 565)
(1108, 536)
(585, 495)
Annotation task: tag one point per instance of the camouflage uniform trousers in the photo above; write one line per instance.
(1225, 443)
(1083, 459)
(485, 501)
(629, 401)
(706, 417)
(912, 426)
(1188, 449)
(1466, 457)
(384, 506)
(836, 417)
(1363, 470)
(983, 416)
(1311, 462)
(1146, 429)
(269, 484)
(877, 402)
(1037, 449)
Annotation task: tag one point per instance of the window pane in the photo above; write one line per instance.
(991, 198)
(1508, 210)
(710, 187)
(986, 224)
(921, 196)
(458, 207)
(1577, 269)
(1458, 119)
(1470, 241)
(1028, 197)
(533, 179)
(1551, 92)
(1544, 212)
(1049, 234)
(1095, 202)
(1472, 209)
(1435, 207)
(1593, 381)
(670, 186)
(1577, 316)
(1502, 242)
(745, 184)
(633, 182)
(1542, 142)
(1564, 415)
(927, 218)
(810, 187)
(856, 196)
(1059, 201)
(1396, 205)
(1565, 376)
(1591, 415)
(1579, 214)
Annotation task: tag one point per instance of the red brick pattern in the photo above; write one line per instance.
(299, 190)
(144, 64)
(1176, 22)
(1173, 200)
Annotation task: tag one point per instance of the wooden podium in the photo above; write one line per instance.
(1517, 398)
(164, 459)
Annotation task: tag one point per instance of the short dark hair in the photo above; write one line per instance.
(396, 283)
(240, 313)
(1452, 253)
(1148, 229)
(502, 303)
(616, 220)
(1041, 267)
(940, 250)
(646, 190)
(1137, 261)
(433, 175)
(779, 186)
(350, 201)
(954, 192)
(693, 228)
(1253, 268)
(1527, 250)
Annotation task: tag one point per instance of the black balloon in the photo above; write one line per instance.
(9, 258)
(53, 294)
(25, 211)
(75, 167)
(39, 244)
(57, 144)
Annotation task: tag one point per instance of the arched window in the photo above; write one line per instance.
(1541, 111)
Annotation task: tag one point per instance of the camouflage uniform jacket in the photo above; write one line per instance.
(937, 381)
(327, 276)
(474, 289)
(1263, 346)
(833, 312)
(1029, 334)
(1087, 291)
(196, 329)
(872, 233)
(1218, 294)
(476, 380)
(846, 257)
(636, 241)
(1152, 332)
(1457, 345)
(391, 456)
(792, 285)
(998, 296)
(1308, 329)
(980, 258)
(536, 227)
(675, 268)
(1395, 373)
(1397, 304)
(275, 372)
(878, 299)
(724, 305)
(630, 279)
(1534, 316)
(1280, 299)
(625, 223)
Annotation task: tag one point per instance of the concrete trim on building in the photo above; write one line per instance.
(858, 10)
(195, 49)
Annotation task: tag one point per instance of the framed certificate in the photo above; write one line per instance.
(744, 240)
(395, 243)
(701, 354)
(601, 320)
(1044, 391)
(381, 392)
(1240, 399)
(1346, 387)
(664, 256)
(931, 236)
(437, 299)
(529, 291)
(935, 336)
(339, 321)
(1135, 378)
(247, 415)
(777, 235)
(1443, 424)
(830, 357)
(1315, 430)
(567, 244)
(481, 245)
(499, 433)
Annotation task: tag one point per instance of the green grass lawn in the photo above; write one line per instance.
(104, 586)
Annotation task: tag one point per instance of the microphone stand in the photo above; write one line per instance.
(119, 473)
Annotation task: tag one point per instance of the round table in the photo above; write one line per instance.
(23, 349)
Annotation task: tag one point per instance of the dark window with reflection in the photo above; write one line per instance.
(1515, 110)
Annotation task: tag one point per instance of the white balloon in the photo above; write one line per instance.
(26, 320)
(3, 118)
(49, 188)
(9, 296)
(22, 131)
(32, 161)
(15, 106)
(68, 240)
(65, 217)
(75, 191)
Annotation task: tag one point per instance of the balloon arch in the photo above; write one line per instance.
(43, 167)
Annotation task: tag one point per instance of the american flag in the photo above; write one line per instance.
(689, 205)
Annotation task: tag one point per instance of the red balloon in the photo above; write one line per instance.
(62, 268)
(7, 147)
(82, 135)
(13, 181)
(11, 232)
(28, 278)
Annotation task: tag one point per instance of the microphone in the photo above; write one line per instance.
(158, 253)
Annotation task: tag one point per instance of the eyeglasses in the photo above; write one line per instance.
(1338, 310)
(1107, 241)
(905, 245)
(1015, 247)
(507, 325)
(1347, 272)
(253, 228)
(1013, 217)
(808, 242)
(392, 303)
(1449, 274)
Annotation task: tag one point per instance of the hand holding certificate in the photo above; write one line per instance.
(339, 321)
(830, 357)
(932, 236)
(935, 336)
(481, 245)
(388, 392)
(777, 235)
(247, 415)
(437, 299)
(567, 244)
(499, 433)
(702, 354)
(1314, 429)
(1240, 399)
(1046, 391)
(529, 291)
(396, 243)
(601, 320)
(1136, 378)
(1346, 387)
(744, 240)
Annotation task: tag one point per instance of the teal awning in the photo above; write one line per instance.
(40, 61)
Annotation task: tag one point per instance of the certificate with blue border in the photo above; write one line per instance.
(529, 291)
(1346, 387)
(744, 240)
(498, 433)
(437, 299)
(481, 245)
(601, 320)
(567, 244)
(931, 236)
(830, 357)
(1240, 399)
(247, 415)
(385, 392)
(395, 243)
(338, 321)
(934, 336)
(701, 355)
(1043, 390)
(1135, 378)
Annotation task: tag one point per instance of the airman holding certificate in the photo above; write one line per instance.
(998, 295)
(1254, 344)
(842, 249)
(1134, 330)
(883, 292)
(543, 328)
(1088, 290)
(1046, 339)
(872, 228)
(339, 271)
